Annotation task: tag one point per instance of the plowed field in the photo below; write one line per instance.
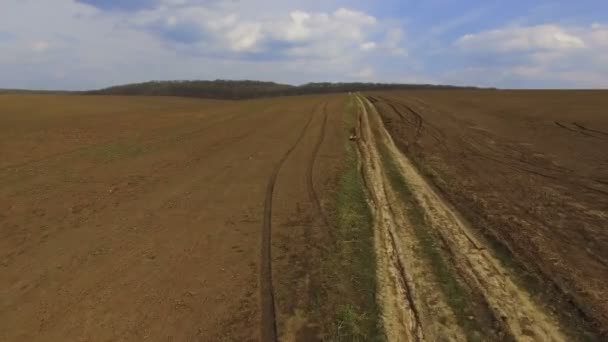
(127, 218)
(528, 172)
(448, 215)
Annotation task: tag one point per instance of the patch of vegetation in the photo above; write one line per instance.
(109, 152)
(431, 248)
(353, 263)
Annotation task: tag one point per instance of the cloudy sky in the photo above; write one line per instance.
(85, 44)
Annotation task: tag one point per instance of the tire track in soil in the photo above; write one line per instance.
(561, 125)
(589, 129)
(312, 193)
(528, 167)
(420, 123)
(268, 331)
(510, 162)
(575, 127)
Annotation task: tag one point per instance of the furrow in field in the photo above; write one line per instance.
(312, 193)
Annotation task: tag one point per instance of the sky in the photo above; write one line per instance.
(90, 44)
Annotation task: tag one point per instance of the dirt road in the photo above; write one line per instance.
(135, 218)
(526, 169)
(428, 316)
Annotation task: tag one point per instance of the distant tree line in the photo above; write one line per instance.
(32, 91)
(227, 89)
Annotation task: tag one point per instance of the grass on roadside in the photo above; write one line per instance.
(357, 315)
(431, 249)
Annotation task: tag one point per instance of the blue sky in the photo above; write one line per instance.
(86, 44)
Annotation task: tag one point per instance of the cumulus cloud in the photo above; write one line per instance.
(515, 39)
(298, 33)
(394, 41)
(90, 43)
(40, 46)
(559, 55)
(367, 46)
(364, 74)
(78, 44)
(128, 5)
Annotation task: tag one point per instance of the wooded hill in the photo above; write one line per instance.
(226, 89)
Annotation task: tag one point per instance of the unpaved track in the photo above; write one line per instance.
(431, 318)
(524, 319)
(312, 193)
(160, 242)
(400, 317)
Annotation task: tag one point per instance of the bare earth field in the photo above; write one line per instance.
(448, 216)
(127, 218)
(528, 171)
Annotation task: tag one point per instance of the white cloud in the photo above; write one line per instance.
(297, 33)
(245, 36)
(86, 47)
(367, 46)
(324, 34)
(298, 30)
(512, 39)
(171, 21)
(573, 56)
(394, 41)
(354, 17)
(67, 44)
(364, 74)
(40, 46)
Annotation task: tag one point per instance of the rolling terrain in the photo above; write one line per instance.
(130, 218)
(456, 215)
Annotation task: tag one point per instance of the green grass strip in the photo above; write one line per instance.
(357, 315)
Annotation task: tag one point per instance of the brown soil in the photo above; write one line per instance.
(136, 218)
(161, 218)
(529, 171)
(303, 236)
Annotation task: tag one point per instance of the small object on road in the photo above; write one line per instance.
(353, 135)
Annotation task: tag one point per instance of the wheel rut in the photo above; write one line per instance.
(268, 330)
(312, 193)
